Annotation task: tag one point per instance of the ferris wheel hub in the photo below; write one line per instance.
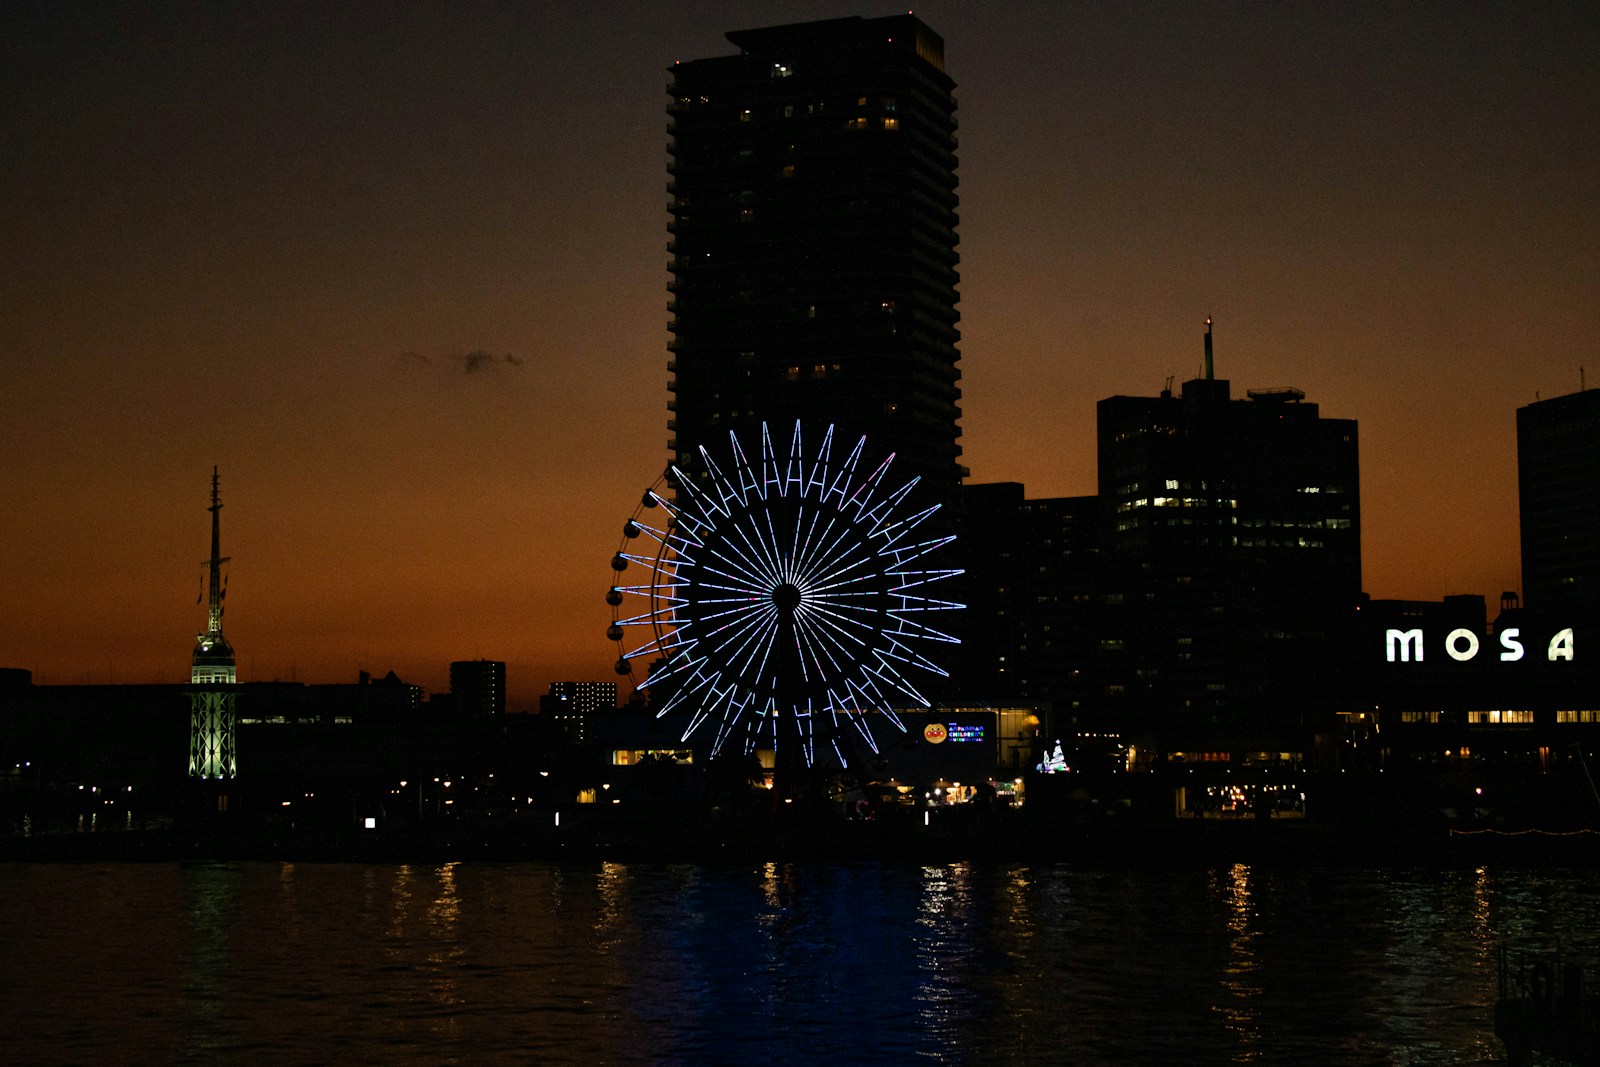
(787, 596)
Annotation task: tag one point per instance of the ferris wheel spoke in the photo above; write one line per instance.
(907, 654)
(831, 551)
(835, 623)
(829, 619)
(655, 590)
(906, 554)
(794, 471)
(843, 553)
(879, 513)
(730, 494)
(758, 722)
(867, 697)
(842, 582)
(848, 575)
(755, 557)
(763, 564)
(805, 550)
(736, 586)
(793, 567)
(820, 645)
(748, 477)
(859, 724)
(745, 640)
(652, 618)
(840, 488)
(911, 579)
(721, 626)
(701, 712)
(745, 563)
(907, 602)
(688, 663)
(807, 728)
(768, 537)
(911, 628)
(658, 536)
(863, 698)
(771, 477)
(717, 495)
(861, 497)
(891, 532)
(664, 645)
(733, 711)
(819, 467)
(884, 671)
(757, 626)
(736, 579)
(921, 606)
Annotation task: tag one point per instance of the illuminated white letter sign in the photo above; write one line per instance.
(1461, 655)
(1405, 641)
(1462, 645)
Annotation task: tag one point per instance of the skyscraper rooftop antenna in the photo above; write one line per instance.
(1209, 374)
(214, 620)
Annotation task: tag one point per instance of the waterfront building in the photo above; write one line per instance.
(1233, 527)
(1558, 495)
(813, 240)
(213, 700)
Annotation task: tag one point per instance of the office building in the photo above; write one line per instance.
(1558, 489)
(813, 241)
(1234, 529)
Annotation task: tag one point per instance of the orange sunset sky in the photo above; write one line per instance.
(400, 271)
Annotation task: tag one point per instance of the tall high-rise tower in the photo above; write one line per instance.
(813, 202)
(1558, 478)
(212, 701)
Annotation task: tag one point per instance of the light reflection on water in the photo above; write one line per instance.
(683, 964)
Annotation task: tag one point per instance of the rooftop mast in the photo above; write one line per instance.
(214, 619)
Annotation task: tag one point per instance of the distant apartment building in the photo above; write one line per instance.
(1033, 574)
(478, 687)
(572, 706)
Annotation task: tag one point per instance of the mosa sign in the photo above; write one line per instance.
(1461, 645)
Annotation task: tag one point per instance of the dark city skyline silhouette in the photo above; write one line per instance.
(403, 279)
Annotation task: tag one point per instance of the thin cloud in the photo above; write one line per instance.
(477, 361)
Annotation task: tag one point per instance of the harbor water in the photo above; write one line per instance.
(634, 963)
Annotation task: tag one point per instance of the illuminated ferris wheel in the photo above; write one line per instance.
(783, 597)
